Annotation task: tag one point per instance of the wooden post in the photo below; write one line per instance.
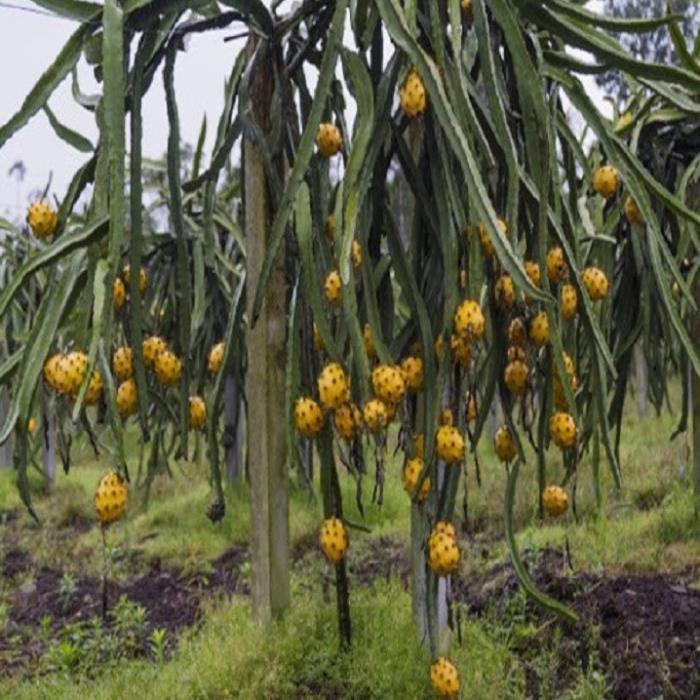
(265, 376)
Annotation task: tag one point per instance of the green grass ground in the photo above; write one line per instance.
(650, 526)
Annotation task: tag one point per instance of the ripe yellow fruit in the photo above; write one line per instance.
(562, 430)
(198, 413)
(356, 254)
(445, 527)
(368, 341)
(516, 332)
(568, 365)
(449, 444)
(375, 415)
(461, 350)
(554, 501)
(539, 329)
(559, 397)
(388, 383)
(469, 320)
(444, 678)
(557, 269)
(568, 299)
(168, 368)
(443, 552)
(596, 283)
(412, 95)
(411, 473)
(143, 278)
(42, 219)
(560, 402)
(332, 288)
(486, 243)
(605, 181)
(75, 365)
(216, 358)
(634, 216)
(118, 294)
(504, 292)
(345, 421)
(333, 539)
(151, 348)
(127, 398)
(532, 270)
(110, 498)
(412, 368)
(333, 386)
(93, 393)
(330, 227)
(308, 416)
(31, 425)
(122, 363)
(328, 140)
(55, 374)
(504, 445)
(515, 377)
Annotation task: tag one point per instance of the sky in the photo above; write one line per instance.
(31, 38)
(29, 42)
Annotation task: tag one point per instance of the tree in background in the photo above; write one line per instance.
(655, 46)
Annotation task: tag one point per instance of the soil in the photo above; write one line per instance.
(172, 599)
(643, 631)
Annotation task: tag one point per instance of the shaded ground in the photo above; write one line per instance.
(644, 631)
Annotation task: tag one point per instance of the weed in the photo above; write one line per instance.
(157, 641)
(67, 589)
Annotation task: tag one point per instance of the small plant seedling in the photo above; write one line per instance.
(67, 589)
(156, 642)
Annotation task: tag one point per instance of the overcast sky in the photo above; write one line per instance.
(29, 42)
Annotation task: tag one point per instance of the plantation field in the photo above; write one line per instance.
(179, 623)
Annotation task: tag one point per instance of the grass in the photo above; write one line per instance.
(649, 526)
(233, 657)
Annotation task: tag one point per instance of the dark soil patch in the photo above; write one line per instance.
(380, 558)
(15, 561)
(303, 545)
(172, 600)
(77, 523)
(645, 629)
